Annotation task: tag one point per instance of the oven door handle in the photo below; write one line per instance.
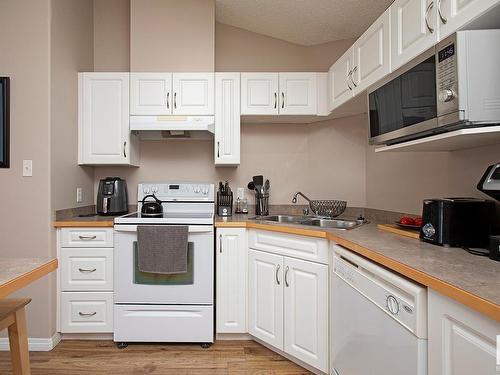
(192, 228)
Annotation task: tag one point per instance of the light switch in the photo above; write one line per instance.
(240, 193)
(27, 168)
(79, 195)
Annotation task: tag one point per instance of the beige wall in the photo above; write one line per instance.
(71, 52)
(399, 181)
(289, 155)
(244, 51)
(111, 35)
(172, 35)
(24, 201)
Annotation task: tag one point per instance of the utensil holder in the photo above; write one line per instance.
(224, 204)
(261, 204)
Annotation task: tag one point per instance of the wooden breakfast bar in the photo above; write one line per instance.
(14, 275)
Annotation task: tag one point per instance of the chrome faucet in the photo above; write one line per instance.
(294, 199)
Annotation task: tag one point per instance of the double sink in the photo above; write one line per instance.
(311, 221)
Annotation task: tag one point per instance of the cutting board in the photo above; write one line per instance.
(393, 228)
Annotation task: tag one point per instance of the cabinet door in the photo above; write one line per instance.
(265, 297)
(297, 94)
(150, 93)
(193, 94)
(104, 135)
(461, 341)
(340, 87)
(372, 54)
(453, 14)
(413, 29)
(227, 118)
(259, 93)
(231, 259)
(306, 312)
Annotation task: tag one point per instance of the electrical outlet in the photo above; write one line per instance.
(27, 168)
(79, 195)
(240, 193)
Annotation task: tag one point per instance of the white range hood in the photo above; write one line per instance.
(173, 127)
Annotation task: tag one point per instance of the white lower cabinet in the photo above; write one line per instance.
(84, 312)
(461, 341)
(288, 306)
(306, 312)
(231, 280)
(85, 280)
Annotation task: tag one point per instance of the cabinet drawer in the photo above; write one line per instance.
(86, 312)
(87, 237)
(86, 269)
(302, 247)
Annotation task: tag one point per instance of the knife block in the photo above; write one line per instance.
(224, 204)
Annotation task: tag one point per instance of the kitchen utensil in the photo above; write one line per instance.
(151, 208)
(224, 199)
(112, 196)
(327, 208)
(251, 185)
(267, 185)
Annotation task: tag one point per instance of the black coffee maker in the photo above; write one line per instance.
(112, 197)
(490, 184)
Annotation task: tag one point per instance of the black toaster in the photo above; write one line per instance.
(458, 222)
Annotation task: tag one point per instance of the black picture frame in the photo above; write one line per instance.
(5, 122)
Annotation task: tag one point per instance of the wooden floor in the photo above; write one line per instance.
(102, 357)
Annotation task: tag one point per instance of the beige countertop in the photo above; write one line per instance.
(469, 279)
(16, 273)
(91, 221)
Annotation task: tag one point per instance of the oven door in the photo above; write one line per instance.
(133, 286)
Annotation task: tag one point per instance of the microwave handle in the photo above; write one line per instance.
(192, 229)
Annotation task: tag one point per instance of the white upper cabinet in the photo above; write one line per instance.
(453, 14)
(150, 93)
(227, 119)
(413, 29)
(306, 312)
(193, 94)
(232, 264)
(259, 93)
(103, 120)
(372, 53)
(297, 94)
(340, 80)
(279, 93)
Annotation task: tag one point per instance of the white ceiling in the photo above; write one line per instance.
(305, 22)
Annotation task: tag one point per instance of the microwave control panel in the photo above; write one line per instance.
(446, 74)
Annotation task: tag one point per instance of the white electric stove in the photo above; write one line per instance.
(167, 308)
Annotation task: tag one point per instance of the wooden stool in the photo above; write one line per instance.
(12, 316)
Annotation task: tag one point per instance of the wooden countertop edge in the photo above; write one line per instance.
(27, 278)
(476, 303)
(82, 224)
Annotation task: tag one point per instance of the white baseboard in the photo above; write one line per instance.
(233, 337)
(34, 344)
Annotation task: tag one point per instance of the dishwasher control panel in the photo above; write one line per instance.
(399, 298)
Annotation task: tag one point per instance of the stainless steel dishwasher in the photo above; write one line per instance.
(378, 319)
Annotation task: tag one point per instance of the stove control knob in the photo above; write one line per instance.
(205, 190)
(196, 189)
(145, 190)
(446, 95)
(154, 189)
(392, 305)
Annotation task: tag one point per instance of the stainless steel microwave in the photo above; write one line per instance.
(454, 85)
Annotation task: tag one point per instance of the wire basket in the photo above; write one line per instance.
(327, 208)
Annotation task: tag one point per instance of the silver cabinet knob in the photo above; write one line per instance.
(446, 95)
